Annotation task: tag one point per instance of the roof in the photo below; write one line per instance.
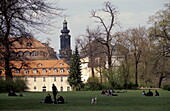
(48, 65)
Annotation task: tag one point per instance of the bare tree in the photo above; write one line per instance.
(92, 49)
(106, 27)
(134, 40)
(17, 19)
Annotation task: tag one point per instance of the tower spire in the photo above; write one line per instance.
(65, 43)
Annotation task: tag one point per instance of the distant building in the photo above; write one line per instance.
(36, 62)
(94, 56)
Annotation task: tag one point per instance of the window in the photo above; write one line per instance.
(34, 54)
(61, 70)
(68, 70)
(20, 54)
(27, 54)
(61, 79)
(39, 64)
(13, 54)
(26, 78)
(35, 87)
(61, 88)
(54, 78)
(26, 71)
(44, 79)
(29, 44)
(68, 88)
(34, 79)
(43, 71)
(17, 71)
(55, 70)
(35, 71)
(61, 64)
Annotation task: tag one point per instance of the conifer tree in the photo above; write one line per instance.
(74, 78)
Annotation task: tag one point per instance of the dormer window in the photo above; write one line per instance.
(39, 64)
(26, 71)
(55, 70)
(61, 64)
(61, 70)
(35, 71)
(44, 71)
(34, 54)
(29, 44)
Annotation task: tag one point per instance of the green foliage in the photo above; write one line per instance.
(17, 85)
(74, 78)
(166, 87)
(113, 77)
(93, 84)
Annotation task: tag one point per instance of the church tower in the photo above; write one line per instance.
(65, 44)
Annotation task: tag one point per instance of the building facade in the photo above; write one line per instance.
(36, 63)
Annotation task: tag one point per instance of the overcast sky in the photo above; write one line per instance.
(132, 13)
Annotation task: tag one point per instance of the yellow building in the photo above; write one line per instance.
(37, 63)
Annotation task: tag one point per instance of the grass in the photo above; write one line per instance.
(80, 101)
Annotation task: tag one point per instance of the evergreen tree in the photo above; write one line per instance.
(74, 78)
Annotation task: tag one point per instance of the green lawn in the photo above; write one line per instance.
(80, 101)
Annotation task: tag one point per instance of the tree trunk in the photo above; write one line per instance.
(136, 74)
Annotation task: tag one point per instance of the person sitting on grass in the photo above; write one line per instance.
(150, 93)
(144, 94)
(48, 99)
(12, 93)
(60, 100)
(103, 92)
(156, 93)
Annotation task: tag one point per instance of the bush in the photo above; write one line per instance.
(166, 87)
(92, 84)
(18, 85)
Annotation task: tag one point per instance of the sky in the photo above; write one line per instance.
(131, 13)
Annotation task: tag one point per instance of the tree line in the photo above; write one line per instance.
(143, 53)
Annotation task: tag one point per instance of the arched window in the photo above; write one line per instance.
(68, 88)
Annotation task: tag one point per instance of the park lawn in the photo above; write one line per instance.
(80, 101)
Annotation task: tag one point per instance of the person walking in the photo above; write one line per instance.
(55, 91)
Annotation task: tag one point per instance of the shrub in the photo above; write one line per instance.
(92, 84)
(17, 85)
(166, 87)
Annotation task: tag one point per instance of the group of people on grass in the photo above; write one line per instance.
(59, 100)
(107, 92)
(150, 93)
(48, 98)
